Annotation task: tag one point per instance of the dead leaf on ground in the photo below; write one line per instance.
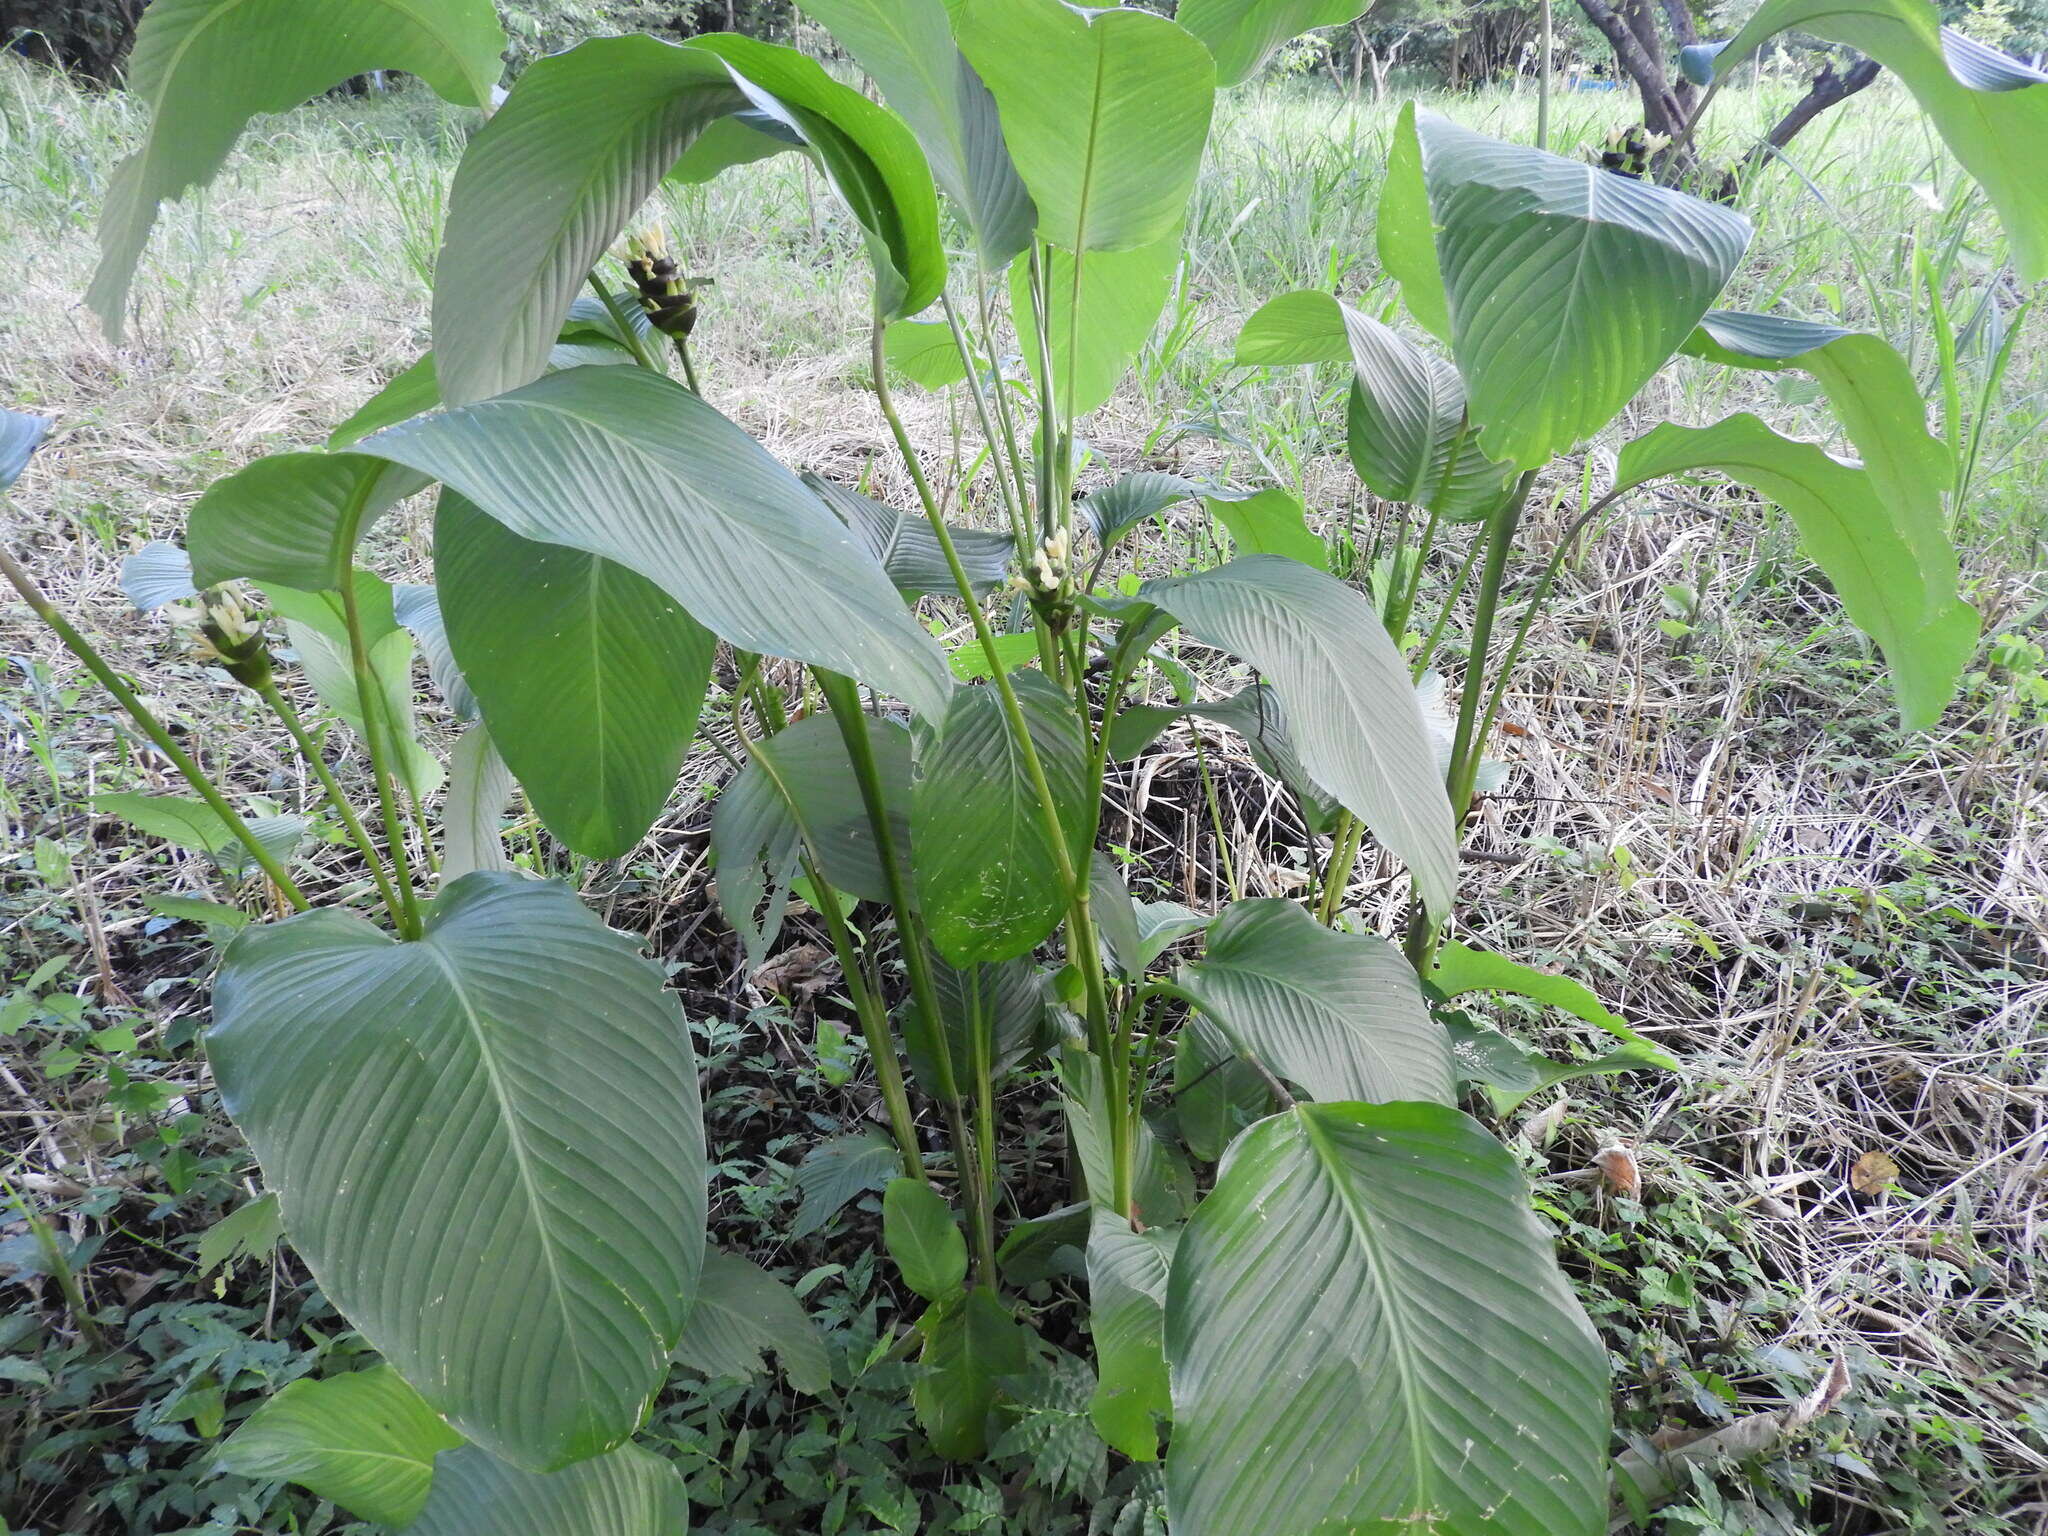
(1873, 1173)
(1617, 1165)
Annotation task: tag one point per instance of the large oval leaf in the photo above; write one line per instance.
(589, 675)
(1566, 286)
(1367, 1331)
(488, 1148)
(365, 1441)
(1106, 113)
(1120, 295)
(1351, 709)
(1890, 586)
(905, 546)
(623, 463)
(631, 1492)
(1990, 109)
(988, 873)
(908, 47)
(583, 140)
(1126, 1313)
(292, 518)
(743, 1310)
(205, 67)
(1340, 1014)
(1241, 33)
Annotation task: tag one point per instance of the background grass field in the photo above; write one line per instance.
(1709, 816)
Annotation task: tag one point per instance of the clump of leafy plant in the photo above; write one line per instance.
(476, 1104)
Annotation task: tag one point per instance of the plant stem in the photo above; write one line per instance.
(370, 697)
(1543, 83)
(1337, 873)
(161, 739)
(1500, 539)
(1003, 416)
(1018, 526)
(624, 323)
(309, 750)
(57, 1264)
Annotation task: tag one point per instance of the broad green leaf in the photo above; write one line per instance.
(500, 1118)
(970, 660)
(904, 545)
(623, 463)
(1989, 108)
(1269, 522)
(1041, 1247)
(415, 390)
(1567, 286)
(1242, 33)
(215, 916)
(1106, 113)
(205, 67)
(365, 1441)
(971, 1343)
(988, 872)
(316, 626)
(631, 1492)
(923, 352)
(292, 518)
(157, 574)
(1367, 1331)
(1340, 1014)
(1121, 293)
(479, 785)
(839, 1170)
(583, 139)
(1132, 933)
(1871, 388)
(417, 607)
(1406, 425)
(1460, 969)
(19, 435)
(1351, 709)
(185, 821)
(1116, 509)
(1510, 1072)
(743, 1310)
(1880, 575)
(922, 1237)
(1127, 1314)
(741, 139)
(1010, 1001)
(799, 788)
(1216, 1092)
(1255, 713)
(1405, 231)
(1163, 1189)
(249, 1231)
(589, 675)
(908, 47)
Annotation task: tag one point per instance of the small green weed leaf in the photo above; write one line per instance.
(1351, 709)
(837, 1171)
(908, 47)
(628, 465)
(904, 545)
(1989, 108)
(742, 1310)
(1340, 1014)
(1106, 113)
(631, 1492)
(970, 660)
(1888, 584)
(191, 909)
(971, 1343)
(249, 1231)
(1242, 33)
(1367, 1329)
(535, 1111)
(988, 872)
(365, 1441)
(1566, 286)
(922, 1237)
(1127, 1313)
(205, 67)
(589, 675)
